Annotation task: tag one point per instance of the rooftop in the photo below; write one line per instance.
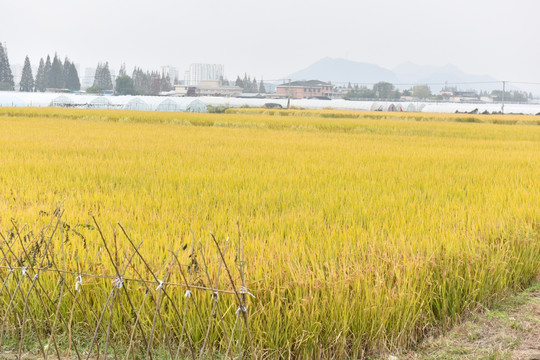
(306, 83)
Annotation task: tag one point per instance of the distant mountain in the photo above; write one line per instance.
(344, 71)
(410, 73)
(341, 71)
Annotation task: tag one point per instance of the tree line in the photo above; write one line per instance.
(250, 86)
(387, 91)
(53, 74)
(62, 75)
(142, 82)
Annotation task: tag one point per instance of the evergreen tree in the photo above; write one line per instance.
(254, 86)
(107, 79)
(246, 82)
(166, 83)
(155, 83)
(6, 76)
(102, 79)
(239, 82)
(40, 76)
(139, 81)
(122, 71)
(56, 74)
(72, 77)
(27, 80)
(262, 89)
(65, 70)
(46, 72)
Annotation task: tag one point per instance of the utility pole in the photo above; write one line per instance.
(504, 89)
(289, 95)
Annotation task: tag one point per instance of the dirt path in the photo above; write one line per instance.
(509, 331)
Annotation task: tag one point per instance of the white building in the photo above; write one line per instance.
(172, 72)
(87, 79)
(203, 72)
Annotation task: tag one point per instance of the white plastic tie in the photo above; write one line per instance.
(215, 295)
(160, 286)
(188, 294)
(118, 282)
(78, 283)
(23, 270)
(241, 308)
(244, 290)
(35, 277)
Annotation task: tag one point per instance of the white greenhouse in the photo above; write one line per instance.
(62, 101)
(200, 104)
(13, 101)
(169, 105)
(137, 104)
(100, 102)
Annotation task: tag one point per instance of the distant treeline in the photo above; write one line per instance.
(62, 75)
(250, 86)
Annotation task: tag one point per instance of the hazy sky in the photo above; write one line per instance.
(278, 37)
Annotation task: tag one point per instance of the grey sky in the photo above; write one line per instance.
(275, 38)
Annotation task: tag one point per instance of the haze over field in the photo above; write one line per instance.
(274, 39)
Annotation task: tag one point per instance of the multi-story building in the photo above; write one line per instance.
(305, 89)
(214, 88)
(203, 72)
(172, 72)
(87, 79)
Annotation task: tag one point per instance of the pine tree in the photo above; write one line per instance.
(56, 74)
(141, 81)
(65, 72)
(166, 83)
(6, 76)
(239, 82)
(46, 72)
(40, 76)
(155, 83)
(246, 82)
(254, 86)
(106, 78)
(102, 79)
(262, 89)
(122, 71)
(72, 78)
(27, 80)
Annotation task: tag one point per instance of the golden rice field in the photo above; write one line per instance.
(363, 231)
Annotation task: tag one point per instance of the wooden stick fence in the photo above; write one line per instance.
(54, 308)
